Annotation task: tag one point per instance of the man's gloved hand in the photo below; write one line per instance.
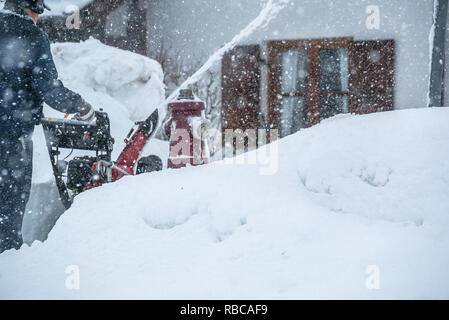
(86, 114)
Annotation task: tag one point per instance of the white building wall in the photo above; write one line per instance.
(446, 69)
(195, 28)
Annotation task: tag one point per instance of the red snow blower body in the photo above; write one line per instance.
(86, 172)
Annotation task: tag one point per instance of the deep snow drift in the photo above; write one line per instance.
(353, 194)
(127, 86)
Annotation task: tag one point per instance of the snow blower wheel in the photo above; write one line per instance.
(91, 171)
(149, 164)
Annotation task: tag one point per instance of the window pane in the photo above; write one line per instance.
(293, 115)
(293, 71)
(117, 22)
(334, 70)
(332, 105)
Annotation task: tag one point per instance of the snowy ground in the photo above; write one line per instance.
(351, 195)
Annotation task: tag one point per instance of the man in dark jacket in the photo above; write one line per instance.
(28, 77)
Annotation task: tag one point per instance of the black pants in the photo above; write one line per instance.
(16, 166)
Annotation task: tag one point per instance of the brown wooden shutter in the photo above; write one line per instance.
(241, 88)
(371, 76)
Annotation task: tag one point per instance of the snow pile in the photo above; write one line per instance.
(351, 195)
(133, 80)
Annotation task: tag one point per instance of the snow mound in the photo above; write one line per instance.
(349, 196)
(133, 80)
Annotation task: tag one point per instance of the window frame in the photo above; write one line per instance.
(313, 47)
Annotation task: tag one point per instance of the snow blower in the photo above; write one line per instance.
(90, 171)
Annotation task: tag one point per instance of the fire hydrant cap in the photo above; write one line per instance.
(186, 94)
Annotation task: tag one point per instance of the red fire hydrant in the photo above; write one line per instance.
(187, 147)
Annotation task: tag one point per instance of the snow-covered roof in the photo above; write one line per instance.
(60, 6)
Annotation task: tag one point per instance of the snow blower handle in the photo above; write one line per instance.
(86, 113)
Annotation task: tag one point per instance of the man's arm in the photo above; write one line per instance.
(45, 82)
